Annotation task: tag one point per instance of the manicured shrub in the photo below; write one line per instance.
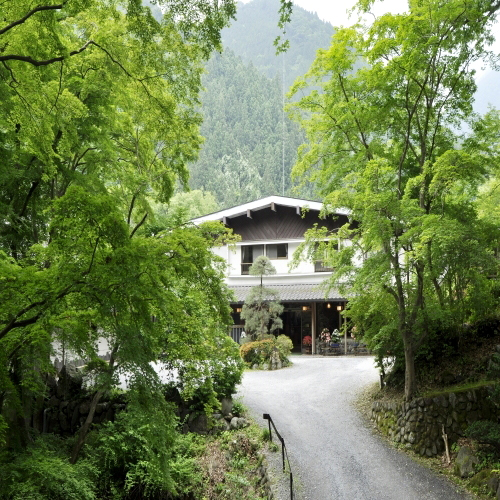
(260, 351)
(285, 345)
(254, 352)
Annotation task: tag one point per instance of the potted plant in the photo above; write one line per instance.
(306, 344)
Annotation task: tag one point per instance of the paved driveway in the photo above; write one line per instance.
(332, 452)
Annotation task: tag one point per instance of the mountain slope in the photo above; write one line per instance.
(242, 155)
(242, 158)
(251, 36)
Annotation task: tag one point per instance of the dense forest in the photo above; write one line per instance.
(241, 158)
(242, 106)
(252, 35)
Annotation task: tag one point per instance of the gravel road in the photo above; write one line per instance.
(333, 454)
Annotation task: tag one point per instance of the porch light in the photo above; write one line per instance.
(328, 306)
(305, 308)
(238, 309)
(339, 308)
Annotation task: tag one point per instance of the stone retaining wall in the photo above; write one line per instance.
(68, 403)
(418, 424)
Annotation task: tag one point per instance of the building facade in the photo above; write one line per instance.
(274, 226)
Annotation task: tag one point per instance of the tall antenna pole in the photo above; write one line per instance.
(283, 126)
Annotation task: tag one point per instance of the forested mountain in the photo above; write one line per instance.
(251, 36)
(242, 158)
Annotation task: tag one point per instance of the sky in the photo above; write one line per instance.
(336, 13)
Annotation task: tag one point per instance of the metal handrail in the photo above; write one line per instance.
(284, 452)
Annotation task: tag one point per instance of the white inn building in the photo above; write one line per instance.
(275, 226)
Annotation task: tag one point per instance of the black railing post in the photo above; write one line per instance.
(283, 452)
(267, 417)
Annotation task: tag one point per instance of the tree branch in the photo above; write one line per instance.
(391, 291)
(40, 8)
(34, 62)
(30, 321)
(130, 210)
(139, 225)
(34, 185)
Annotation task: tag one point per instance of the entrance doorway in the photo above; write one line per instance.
(297, 325)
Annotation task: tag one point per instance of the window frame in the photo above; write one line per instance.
(277, 256)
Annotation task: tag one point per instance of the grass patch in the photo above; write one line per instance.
(229, 463)
(459, 388)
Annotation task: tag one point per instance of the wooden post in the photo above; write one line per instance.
(445, 439)
(345, 334)
(313, 327)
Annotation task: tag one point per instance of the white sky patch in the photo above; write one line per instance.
(338, 14)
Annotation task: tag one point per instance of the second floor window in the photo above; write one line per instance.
(250, 252)
(277, 251)
(248, 255)
(322, 256)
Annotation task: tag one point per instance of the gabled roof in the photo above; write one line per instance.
(269, 201)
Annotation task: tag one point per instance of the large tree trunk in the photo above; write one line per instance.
(85, 427)
(410, 379)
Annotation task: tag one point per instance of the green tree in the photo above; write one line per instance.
(262, 308)
(99, 120)
(383, 144)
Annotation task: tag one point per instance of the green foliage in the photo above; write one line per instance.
(183, 206)
(99, 119)
(42, 472)
(262, 309)
(204, 382)
(285, 345)
(417, 256)
(254, 353)
(184, 466)
(238, 409)
(260, 351)
(485, 431)
(135, 450)
(227, 369)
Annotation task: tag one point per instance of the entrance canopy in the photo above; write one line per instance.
(307, 310)
(292, 293)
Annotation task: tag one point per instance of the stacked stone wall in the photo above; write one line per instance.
(418, 424)
(68, 403)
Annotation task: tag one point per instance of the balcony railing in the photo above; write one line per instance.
(320, 268)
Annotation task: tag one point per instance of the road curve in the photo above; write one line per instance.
(333, 453)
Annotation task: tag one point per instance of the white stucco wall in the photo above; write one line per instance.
(232, 255)
(303, 273)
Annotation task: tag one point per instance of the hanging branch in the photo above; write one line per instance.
(40, 8)
(139, 225)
